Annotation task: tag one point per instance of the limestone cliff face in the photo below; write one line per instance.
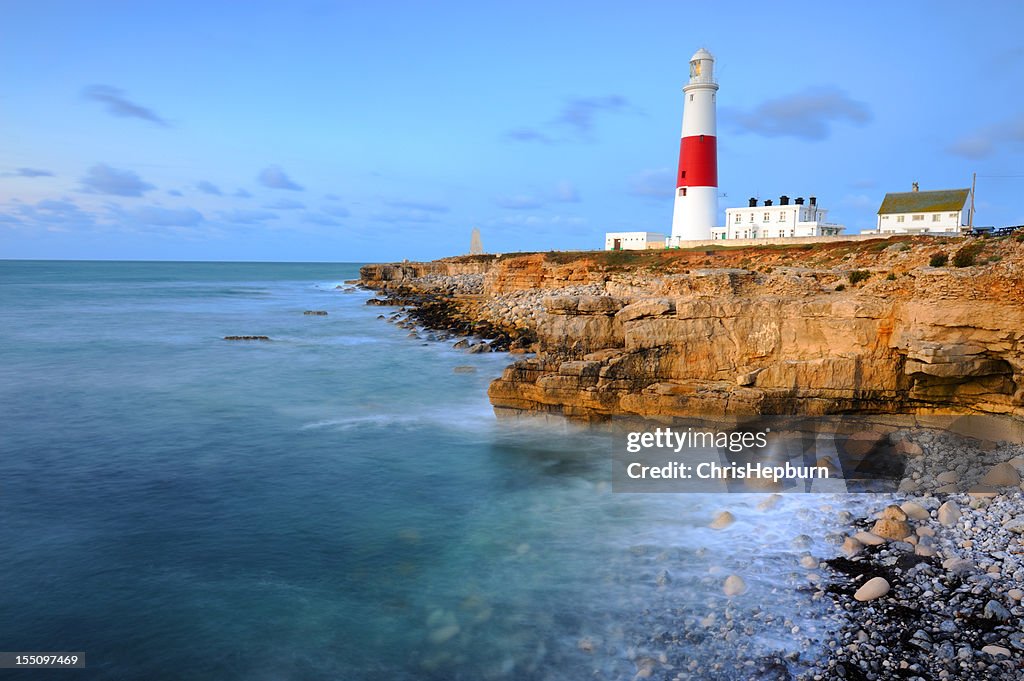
(770, 355)
(769, 332)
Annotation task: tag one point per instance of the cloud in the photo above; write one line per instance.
(332, 197)
(866, 183)
(806, 115)
(518, 202)
(337, 211)
(242, 194)
(579, 113)
(418, 205)
(275, 178)
(51, 215)
(117, 105)
(577, 117)
(29, 172)
(528, 135)
(165, 217)
(985, 141)
(174, 192)
(318, 219)
(566, 192)
(208, 187)
(404, 216)
(285, 204)
(658, 183)
(102, 179)
(247, 217)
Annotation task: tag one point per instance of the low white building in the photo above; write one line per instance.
(633, 241)
(769, 221)
(945, 211)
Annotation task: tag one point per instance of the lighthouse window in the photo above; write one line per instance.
(682, 191)
(691, 98)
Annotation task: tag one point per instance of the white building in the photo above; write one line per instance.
(633, 241)
(776, 221)
(915, 212)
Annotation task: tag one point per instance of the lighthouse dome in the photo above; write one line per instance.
(701, 54)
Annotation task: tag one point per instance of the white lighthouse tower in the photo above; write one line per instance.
(696, 200)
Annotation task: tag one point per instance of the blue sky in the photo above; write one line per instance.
(354, 131)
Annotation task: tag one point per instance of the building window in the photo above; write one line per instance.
(918, 218)
(782, 216)
(900, 218)
(885, 217)
(767, 217)
(936, 217)
(737, 220)
(952, 215)
(751, 217)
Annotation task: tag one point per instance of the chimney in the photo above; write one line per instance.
(753, 202)
(913, 187)
(799, 201)
(767, 202)
(783, 200)
(814, 201)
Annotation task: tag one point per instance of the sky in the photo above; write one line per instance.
(356, 131)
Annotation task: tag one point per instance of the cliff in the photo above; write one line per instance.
(838, 328)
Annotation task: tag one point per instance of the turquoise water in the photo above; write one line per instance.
(337, 503)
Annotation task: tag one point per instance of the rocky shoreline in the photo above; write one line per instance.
(924, 584)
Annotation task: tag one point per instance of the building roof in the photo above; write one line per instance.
(924, 202)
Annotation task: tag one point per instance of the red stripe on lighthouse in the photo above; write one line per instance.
(698, 162)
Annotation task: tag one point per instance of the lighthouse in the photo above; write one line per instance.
(696, 199)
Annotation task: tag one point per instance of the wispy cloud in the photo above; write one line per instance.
(428, 206)
(275, 178)
(566, 192)
(337, 211)
(208, 187)
(317, 219)
(655, 183)
(29, 172)
(285, 204)
(117, 104)
(575, 121)
(518, 202)
(246, 217)
(50, 215)
(398, 217)
(242, 194)
(807, 115)
(332, 197)
(158, 216)
(103, 179)
(986, 140)
(526, 134)
(579, 113)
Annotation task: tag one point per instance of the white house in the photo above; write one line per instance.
(771, 222)
(915, 212)
(633, 241)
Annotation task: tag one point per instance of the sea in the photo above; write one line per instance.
(340, 501)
